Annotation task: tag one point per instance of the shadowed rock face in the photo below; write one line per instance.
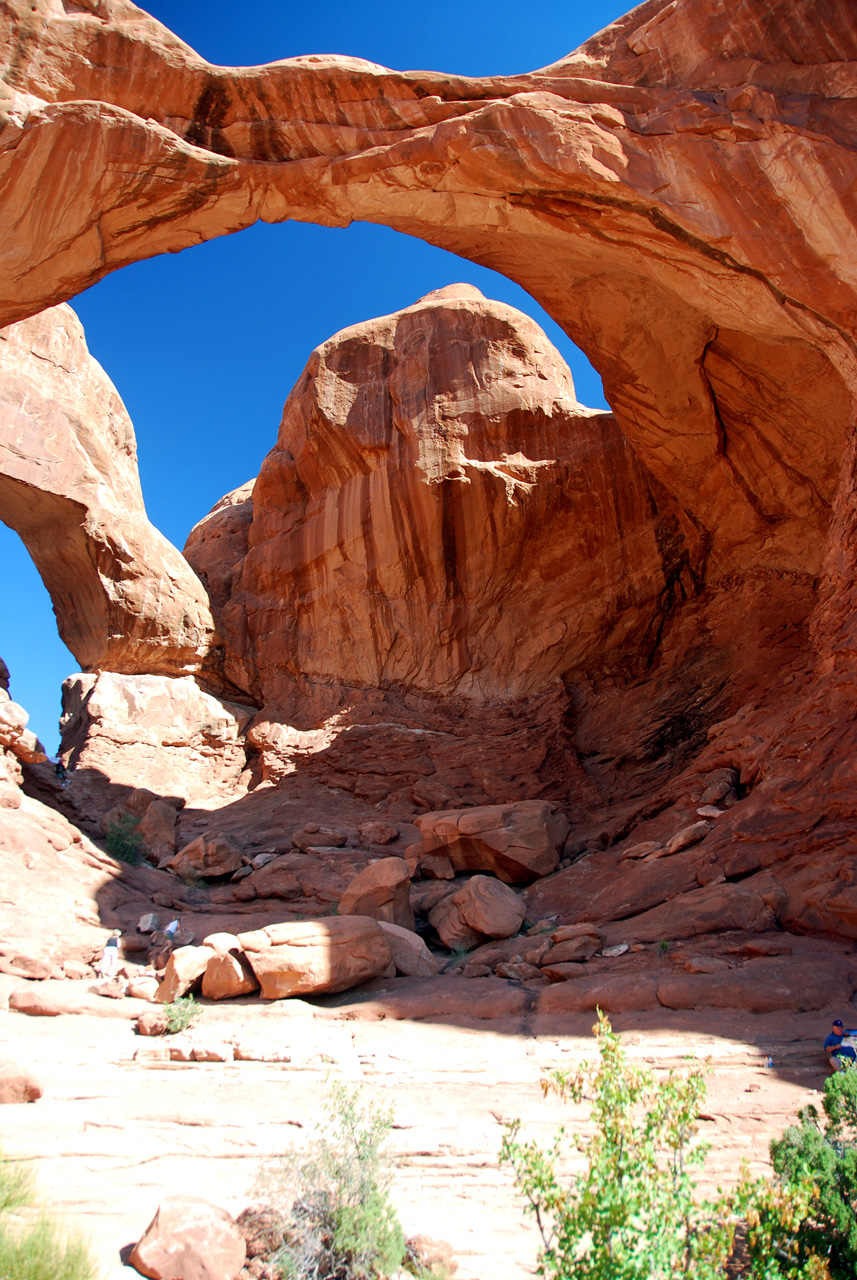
(125, 599)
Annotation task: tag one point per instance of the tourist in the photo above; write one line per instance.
(109, 966)
(839, 1054)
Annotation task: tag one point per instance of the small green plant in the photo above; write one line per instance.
(38, 1250)
(827, 1155)
(664, 947)
(181, 1013)
(457, 960)
(633, 1212)
(123, 839)
(334, 1200)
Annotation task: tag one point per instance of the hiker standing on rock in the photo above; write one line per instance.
(109, 965)
(839, 1054)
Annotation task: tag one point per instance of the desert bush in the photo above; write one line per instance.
(633, 1213)
(826, 1154)
(123, 839)
(36, 1250)
(334, 1200)
(181, 1013)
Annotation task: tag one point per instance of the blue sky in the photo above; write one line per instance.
(205, 345)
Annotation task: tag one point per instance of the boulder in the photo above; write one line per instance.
(184, 966)
(272, 881)
(317, 956)
(315, 837)
(219, 856)
(411, 956)
(375, 832)
(189, 1239)
(517, 842)
(482, 908)
(158, 829)
(687, 836)
(222, 943)
(227, 976)
(18, 1084)
(425, 896)
(381, 890)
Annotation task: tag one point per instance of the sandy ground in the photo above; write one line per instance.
(113, 1136)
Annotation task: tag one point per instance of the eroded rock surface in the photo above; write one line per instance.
(125, 599)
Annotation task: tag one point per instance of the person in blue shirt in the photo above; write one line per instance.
(839, 1054)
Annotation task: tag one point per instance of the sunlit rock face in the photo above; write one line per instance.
(124, 598)
(439, 515)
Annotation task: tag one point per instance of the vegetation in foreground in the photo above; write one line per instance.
(334, 1200)
(633, 1212)
(35, 1248)
(180, 1014)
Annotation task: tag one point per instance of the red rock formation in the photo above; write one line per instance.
(678, 194)
(124, 598)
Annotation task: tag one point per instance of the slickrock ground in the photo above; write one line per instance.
(113, 1136)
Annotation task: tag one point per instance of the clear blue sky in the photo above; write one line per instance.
(205, 345)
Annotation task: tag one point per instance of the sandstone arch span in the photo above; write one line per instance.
(675, 193)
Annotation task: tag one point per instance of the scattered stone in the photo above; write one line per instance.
(143, 987)
(318, 838)
(433, 1255)
(687, 836)
(610, 953)
(518, 842)
(77, 970)
(149, 923)
(381, 890)
(152, 1024)
(709, 811)
(476, 971)
(520, 972)
(190, 1239)
(706, 964)
(263, 1230)
(17, 1084)
(641, 850)
(378, 832)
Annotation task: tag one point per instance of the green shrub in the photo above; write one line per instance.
(38, 1250)
(335, 1199)
(633, 1213)
(181, 1013)
(124, 841)
(828, 1157)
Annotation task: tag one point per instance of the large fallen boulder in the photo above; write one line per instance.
(226, 976)
(190, 1239)
(381, 890)
(518, 842)
(184, 966)
(219, 856)
(316, 956)
(483, 908)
